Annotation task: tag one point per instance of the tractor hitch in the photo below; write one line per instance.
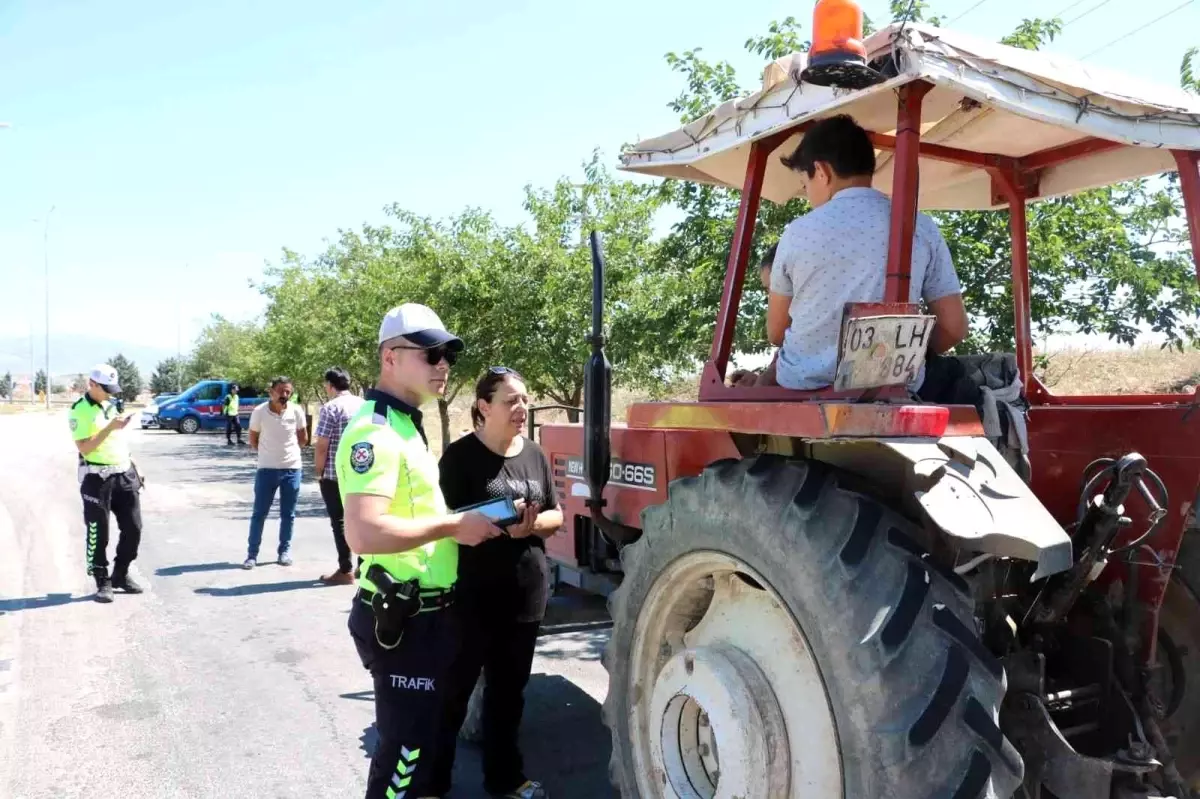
(1102, 520)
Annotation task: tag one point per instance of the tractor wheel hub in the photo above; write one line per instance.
(720, 725)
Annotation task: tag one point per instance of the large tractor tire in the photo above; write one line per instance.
(779, 636)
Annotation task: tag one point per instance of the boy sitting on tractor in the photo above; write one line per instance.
(836, 254)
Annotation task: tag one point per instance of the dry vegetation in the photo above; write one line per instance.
(1141, 370)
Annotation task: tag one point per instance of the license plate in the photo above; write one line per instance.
(878, 351)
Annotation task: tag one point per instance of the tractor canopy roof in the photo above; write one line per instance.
(987, 98)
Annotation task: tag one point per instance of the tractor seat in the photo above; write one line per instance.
(992, 383)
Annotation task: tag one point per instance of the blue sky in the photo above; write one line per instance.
(183, 144)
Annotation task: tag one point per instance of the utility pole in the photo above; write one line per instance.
(32, 367)
(46, 258)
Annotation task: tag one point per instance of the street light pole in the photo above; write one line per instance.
(32, 365)
(46, 259)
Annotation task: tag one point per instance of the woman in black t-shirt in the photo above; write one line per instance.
(502, 583)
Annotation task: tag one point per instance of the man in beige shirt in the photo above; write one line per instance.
(278, 431)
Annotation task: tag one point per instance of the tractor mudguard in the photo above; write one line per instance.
(964, 487)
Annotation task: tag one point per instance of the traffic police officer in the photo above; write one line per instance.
(397, 520)
(108, 482)
(230, 411)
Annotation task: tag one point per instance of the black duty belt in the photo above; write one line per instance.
(395, 602)
(431, 598)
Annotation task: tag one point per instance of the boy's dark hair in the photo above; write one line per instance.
(485, 389)
(838, 141)
(768, 259)
(282, 380)
(338, 377)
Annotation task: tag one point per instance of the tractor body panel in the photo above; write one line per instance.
(644, 462)
(1065, 438)
(960, 484)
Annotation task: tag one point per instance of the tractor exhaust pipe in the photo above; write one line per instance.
(597, 412)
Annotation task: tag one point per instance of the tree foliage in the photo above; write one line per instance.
(39, 381)
(169, 376)
(518, 296)
(1187, 74)
(229, 350)
(128, 376)
(6, 386)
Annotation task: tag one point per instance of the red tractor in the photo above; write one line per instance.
(854, 593)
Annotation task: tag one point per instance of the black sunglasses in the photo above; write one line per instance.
(434, 355)
(504, 370)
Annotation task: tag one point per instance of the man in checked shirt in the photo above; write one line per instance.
(331, 423)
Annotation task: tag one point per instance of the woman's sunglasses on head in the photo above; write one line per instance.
(434, 355)
(504, 370)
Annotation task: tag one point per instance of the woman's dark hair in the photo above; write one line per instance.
(282, 380)
(338, 377)
(838, 141)
(486, 387)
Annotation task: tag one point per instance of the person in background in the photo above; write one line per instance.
(397, 520)
(331, 422)
(502, 583)
(108, 482)
(230, 410)
(278, 431)
(765, 376)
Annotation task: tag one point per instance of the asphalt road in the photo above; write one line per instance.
(218, 682)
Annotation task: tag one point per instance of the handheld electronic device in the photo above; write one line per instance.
(501, 511)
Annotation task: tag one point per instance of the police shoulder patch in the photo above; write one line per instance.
(74, 423)
(362, 457)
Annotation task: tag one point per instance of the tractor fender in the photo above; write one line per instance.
(963, 487)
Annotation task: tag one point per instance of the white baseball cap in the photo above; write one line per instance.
(419, 324)
(106, 377)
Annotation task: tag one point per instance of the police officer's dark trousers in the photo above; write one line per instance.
(232, 425)
(117, 493)
(409, 684)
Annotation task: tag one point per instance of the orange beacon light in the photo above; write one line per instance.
(837, 56)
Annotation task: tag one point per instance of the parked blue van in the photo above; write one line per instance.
(201, 407)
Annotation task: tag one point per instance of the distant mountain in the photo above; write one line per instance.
(72, 354)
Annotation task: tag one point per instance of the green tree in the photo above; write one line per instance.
(462, 269)
(1187, 74)
(1107, 261)
(549, 272)
(517, 296)
(169, 376)
(229, 350)
(6, 386)
(128, 376)
(39, 381)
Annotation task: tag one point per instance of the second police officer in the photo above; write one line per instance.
(397, 520)
(230, 410)
(108, 482)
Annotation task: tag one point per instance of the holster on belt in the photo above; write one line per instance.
(393, 604)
